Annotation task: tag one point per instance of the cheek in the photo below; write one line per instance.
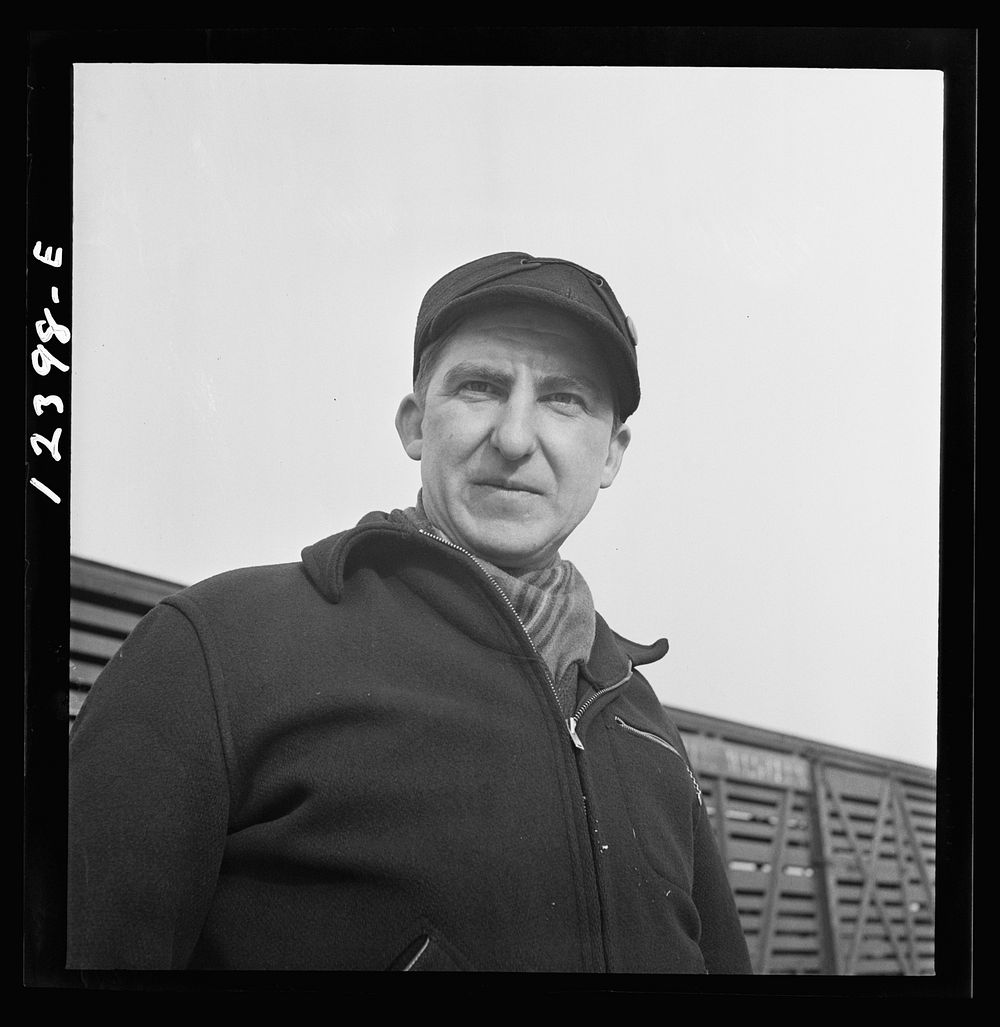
(446, 444)
(583, 465)
(457, 438)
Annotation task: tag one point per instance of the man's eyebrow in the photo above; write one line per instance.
(472, 369)
(467, 369)
(568, 383)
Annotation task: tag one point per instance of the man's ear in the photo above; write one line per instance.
(616, 450)
(410, 426)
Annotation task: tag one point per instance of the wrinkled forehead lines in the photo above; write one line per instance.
(546, 341)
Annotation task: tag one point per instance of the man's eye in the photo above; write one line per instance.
(565, 399)
(478, 386)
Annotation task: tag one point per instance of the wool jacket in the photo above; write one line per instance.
(358, 762)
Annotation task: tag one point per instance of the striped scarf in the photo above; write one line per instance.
(554, 605)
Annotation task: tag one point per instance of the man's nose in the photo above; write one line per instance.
(515, 432)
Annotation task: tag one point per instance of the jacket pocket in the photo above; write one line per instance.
(660, 796)
(655, 739)
(428, 952)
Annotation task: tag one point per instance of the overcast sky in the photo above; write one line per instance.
(251, 244)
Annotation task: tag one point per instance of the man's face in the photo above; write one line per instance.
(515, 435)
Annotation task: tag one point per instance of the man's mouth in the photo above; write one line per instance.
(509, 486)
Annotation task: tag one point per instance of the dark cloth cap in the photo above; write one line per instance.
(547, 280)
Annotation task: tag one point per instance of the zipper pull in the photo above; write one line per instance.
(571, 723)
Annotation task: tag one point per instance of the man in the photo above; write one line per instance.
(419, 748)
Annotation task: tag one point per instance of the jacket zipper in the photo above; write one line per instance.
(570, 722)
(666, 745)
(510, 606)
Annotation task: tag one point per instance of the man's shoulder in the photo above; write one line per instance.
(244, 592)
(316, 578)
(241, 580)
(263, 582)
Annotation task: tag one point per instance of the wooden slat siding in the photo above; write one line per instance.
(917, 890)
(759, 851)
(799, 900)
(878, 884)
(83, 673)
(751, 796)
(790, 965)
(776, 858)
(788, 943)
(848, 880)
(699, 724)
(796, 929)
(766, 836)
(896, 930)
(100, 618)
(722, 815)
(904, 875)
(93, 644)
(813, 884)
(916, 819)
(885, 873)
(830, 893)
(763, 851)
(870, 891)
(920, 805)
(76, 697)
(105, 605)
(761, 832)
(876, 947)
(755, 882)
(120, 588)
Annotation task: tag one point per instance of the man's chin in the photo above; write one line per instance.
(511, 550)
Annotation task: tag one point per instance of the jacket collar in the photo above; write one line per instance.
(324, 562)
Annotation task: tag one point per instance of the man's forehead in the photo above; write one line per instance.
(549, 340)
